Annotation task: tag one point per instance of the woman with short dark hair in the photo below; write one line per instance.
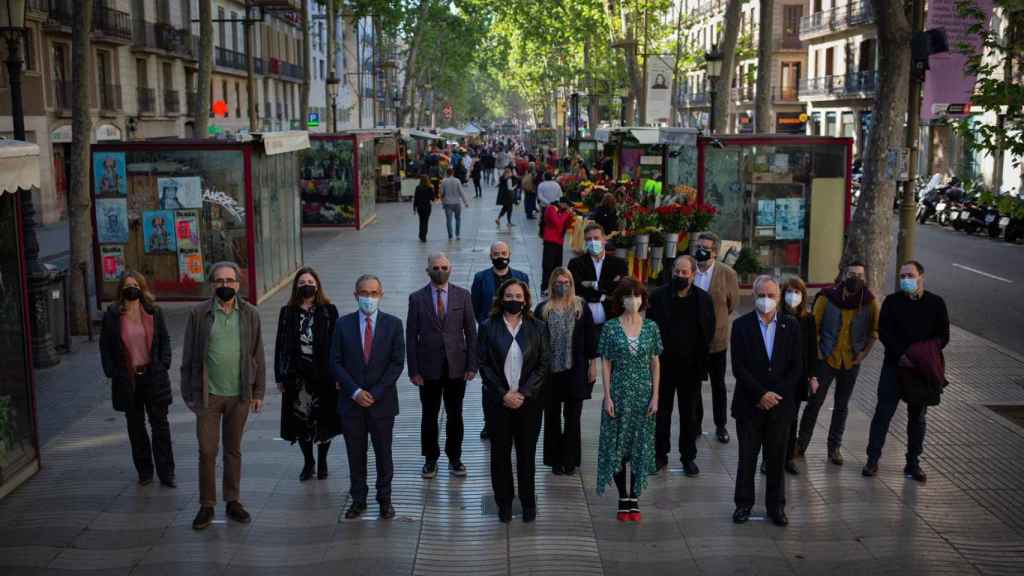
(421, 204)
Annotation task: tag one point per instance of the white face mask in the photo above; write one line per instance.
(793, 299)
(632, 303)
(765, 305)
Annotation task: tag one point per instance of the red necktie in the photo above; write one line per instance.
(440, 307)
(368, 340)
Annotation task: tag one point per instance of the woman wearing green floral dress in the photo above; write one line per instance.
(629, 347)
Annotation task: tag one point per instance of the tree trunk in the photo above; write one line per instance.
(870, 237)
(723, 88)
(763, 123)
(307, 76)
(407, 102)
(675, 67)
(592, 101)
(201, 112)
(80, 201)
(332, 59)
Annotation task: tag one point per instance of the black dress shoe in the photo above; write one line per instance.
(457, 469)
(387, 511)
(145, 481)
(660, 463)
(237, 512)
(529, 513)
(557, 470)
(835, 456)
(484, 435)
(741, 515)
(914, 471)
(779, 517)
(870, 469)
(791, 468)
(568, 470)
(203, 519)
(355, 510)
(307, 472)
(321, 469)
(429, 469)
(169, 482)
(690, 468)
(722, 434)
(505, 514)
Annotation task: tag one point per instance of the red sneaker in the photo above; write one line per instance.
(634, 516)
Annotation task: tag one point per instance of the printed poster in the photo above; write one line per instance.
(156, 232)
(109, 174)
(186, 229)
(112, 262)
(766, 212)
(190, 265)
(179, 193)
(141, 199)
(790, 214)
(112, 220)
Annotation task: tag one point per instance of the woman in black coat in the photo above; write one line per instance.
(421, 203)
(507, 185)
(572, 371)
(476, 172)
(135, 349)
(514, 352)
(794, 303)
(301, 357)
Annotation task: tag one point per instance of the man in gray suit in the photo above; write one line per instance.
(441, 332)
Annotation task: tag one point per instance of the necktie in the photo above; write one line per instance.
(368, 340)
(440, 307)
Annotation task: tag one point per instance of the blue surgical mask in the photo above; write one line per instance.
(595, 247)
(368, 305)
(908, 285)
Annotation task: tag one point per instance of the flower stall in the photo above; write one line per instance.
(338, 177)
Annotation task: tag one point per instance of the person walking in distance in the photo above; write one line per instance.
(847, 319)
(766, 362)
(597, 273)
(309, 407)
(507, 185)
(367, 357)
(685, 317)
(421, 204)
(529, 186)
(223, 377)
(719, 280)
(440, 335)
(453, 199)
(476, 173)
(555, 222)
(135, 350)
(572, 373)
(914, 328)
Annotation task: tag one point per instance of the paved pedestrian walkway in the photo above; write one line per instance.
(84, 512)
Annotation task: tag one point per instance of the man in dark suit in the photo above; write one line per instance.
(766, 363)
(441, 334)
(685, 315)
(597, 273)
(367, 357)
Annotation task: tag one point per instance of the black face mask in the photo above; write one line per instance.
(680, 284)
(853, 284)
(307, 291)
(131, 293)
(512, 306)
(500, 263)
(702, 255)
(225, 293)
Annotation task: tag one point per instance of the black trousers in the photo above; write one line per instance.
(845, 380)
(506, 210)
(562, 443)
(520, 429)
(719, 396)
(552, 258)
(771, 430)
(358, 425)
(147, 453)
(688, 393)
(424, 214)
(451, 391)
(888, 402)
(476, 188)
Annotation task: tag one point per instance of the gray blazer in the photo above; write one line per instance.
(194, 386)
(429, 341)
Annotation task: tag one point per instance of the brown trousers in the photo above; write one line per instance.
(223, 416)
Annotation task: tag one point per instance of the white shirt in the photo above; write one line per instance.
(768, 333)
(597, 308)
(548, 192)
(703, 279)
(514, 359)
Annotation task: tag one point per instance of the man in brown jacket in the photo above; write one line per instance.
(719, 280)
(222, 377)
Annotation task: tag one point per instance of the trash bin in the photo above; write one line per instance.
(57, 300)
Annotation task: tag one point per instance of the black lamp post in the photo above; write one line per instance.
(713, 60)
(12, 29)
(332, 93)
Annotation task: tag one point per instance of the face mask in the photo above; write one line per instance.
(559, 290)
(499, 263)
(765, 305)
(908, 285)
(225, 293)
(679, 283)
(702, 255)
(595, 247)
(631, 303)
(368, 304)
(793, 299)
(853, 284)
(131, 293)
(307, 291)
(512, 306)
(439, 277)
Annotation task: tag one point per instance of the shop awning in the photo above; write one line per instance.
(471, 129)
(649, 135)
(19, 166)
(282, 142)
(413, 133)
(453, 132)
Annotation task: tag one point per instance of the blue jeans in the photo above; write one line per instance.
(453, 211)
(888, 401)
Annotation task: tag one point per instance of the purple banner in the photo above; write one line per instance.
(947, 81)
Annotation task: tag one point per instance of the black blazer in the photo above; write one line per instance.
(115, 363)
(494, 341)
(755, 374)
(584, 349)
(379, 377)
(613, 270)
(660, 310)
(286, 361)
(423, 197)
(809, 351)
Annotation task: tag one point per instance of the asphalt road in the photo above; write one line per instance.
(982, 281)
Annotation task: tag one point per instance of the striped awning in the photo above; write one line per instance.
(19, 166)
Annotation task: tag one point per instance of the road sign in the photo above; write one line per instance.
(448, 111)
(314, 120)
(220, 108)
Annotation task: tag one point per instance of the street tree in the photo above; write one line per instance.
(765, 68)
(307, 76)
(80, 199)
(201, 108)
(728, 44)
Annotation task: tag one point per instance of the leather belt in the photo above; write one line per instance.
(140, 370)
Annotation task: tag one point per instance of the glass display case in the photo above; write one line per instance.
(338, 180)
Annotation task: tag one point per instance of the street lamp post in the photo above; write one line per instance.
(332, 93)
(713, 60)
(12, 29)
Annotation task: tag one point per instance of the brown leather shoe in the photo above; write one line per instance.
(237, 512)
(203, 519)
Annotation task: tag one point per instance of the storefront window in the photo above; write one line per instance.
(328, 183)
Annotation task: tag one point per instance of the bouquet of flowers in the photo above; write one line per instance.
(640, 219)
(674, 217)
(703, 214)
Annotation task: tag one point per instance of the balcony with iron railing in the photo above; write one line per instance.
(293, 71)
(788, 42)
(162, 37)
(836, 19)
(228, 58)
(172, 102)
(743, 93)
(112, 23)
(853, 85)
(147, 100)
(786, 93)
(110, 97)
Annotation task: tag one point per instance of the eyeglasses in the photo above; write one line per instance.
(224, 281)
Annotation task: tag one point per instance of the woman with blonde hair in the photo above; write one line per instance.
(573, 370)
(135, 349)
